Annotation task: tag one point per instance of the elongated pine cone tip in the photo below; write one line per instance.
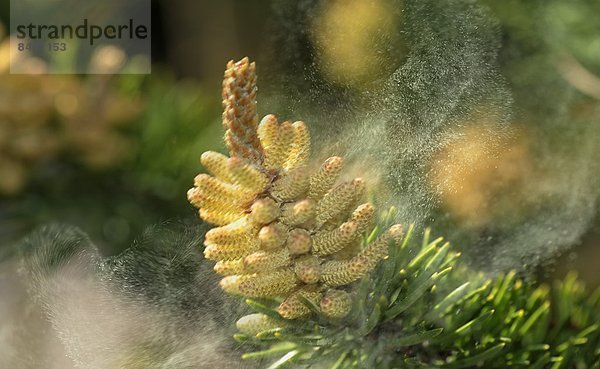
(282, 231)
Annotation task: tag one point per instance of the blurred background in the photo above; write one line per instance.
(482, 118)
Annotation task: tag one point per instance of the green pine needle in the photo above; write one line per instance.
(422, 309)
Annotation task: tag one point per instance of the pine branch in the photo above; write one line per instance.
(302, 248)
(421, 309)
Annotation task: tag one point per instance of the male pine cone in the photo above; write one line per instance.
(282, 231)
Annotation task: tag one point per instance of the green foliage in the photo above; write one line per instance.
(144, 186)
(171, 136)
(422, 309)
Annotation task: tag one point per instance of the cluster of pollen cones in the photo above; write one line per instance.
(282, 231)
